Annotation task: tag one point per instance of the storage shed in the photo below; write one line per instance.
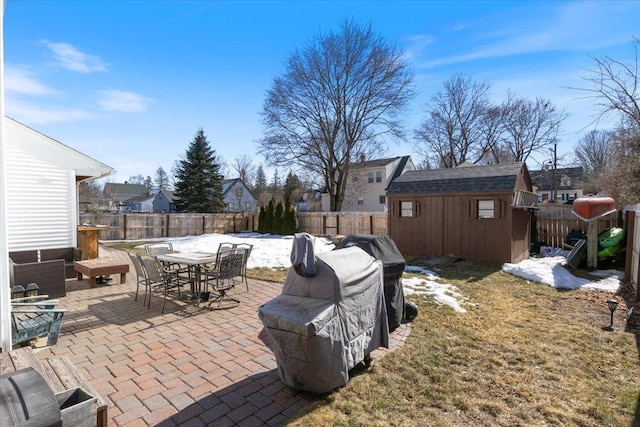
(480, 213)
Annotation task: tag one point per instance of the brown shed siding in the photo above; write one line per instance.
(449, 225)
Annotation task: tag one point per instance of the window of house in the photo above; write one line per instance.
(248, 206)
(486, 209)
(406, 209)
(360, 200)
(371, 178)
(383, 200)
(230, 206)
(565, 181)
(379, 176)
(239, 190)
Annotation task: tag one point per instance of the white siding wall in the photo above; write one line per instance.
(41, 202)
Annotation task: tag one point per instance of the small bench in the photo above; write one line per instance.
(60, 374)
(34, 318)
(101, 267)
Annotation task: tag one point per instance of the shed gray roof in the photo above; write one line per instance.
(468, 179)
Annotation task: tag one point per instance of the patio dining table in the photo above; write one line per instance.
(194, 260)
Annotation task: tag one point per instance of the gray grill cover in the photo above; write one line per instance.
(321, 326)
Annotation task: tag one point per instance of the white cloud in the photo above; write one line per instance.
(22, 80)
(72, 59)
(118, 100)
(579, 26)
(38, 114)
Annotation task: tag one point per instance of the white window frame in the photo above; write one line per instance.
(486, 209)
(406, 209)
(378, 176)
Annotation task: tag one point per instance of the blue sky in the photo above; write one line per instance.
(130, 82)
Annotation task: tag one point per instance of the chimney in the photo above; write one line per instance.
(363, 158)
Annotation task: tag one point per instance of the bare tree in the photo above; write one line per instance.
(245, 169)
(136, 179)
(455, 129)
(594, 151)
(341, 96)
(621, 179)
(161, 181)
(529, 126)
(615, 87)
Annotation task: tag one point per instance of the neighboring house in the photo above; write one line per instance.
(478, 213)
(163, 202)
(238, 197)
(142, 204)
(569, 184)
(368, 182)
(121, 196)
(41, 190)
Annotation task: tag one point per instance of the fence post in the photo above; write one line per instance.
(370, 224)
(324, 225)
(124, 225)
(629, 232)
(337, 223)
(203, 223)
(166, 226)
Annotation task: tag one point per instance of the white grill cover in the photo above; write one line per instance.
(324, 325)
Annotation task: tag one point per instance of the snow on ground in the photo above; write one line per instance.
(273, 251)
(428, 286)
(551, 270)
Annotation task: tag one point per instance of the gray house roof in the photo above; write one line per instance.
(543, 179)
(465, 179)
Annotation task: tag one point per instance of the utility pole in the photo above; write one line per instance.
(554, 184)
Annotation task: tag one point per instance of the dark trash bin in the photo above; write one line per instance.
(384, 249)
(575, 236)
(27, 400)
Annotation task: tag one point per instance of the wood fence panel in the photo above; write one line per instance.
(555, 223)
(147, 226)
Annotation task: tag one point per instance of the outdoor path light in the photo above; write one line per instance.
(612, 307)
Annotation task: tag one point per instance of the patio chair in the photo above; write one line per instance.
(35, 317)
(158, 277)
(156, 249)
(245, 250)
(224, 277)
(141, 278)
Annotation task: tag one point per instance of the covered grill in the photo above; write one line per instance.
(328, 318)
(383, 248)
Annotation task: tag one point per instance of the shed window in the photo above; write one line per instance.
(406, 209)
(486, 209)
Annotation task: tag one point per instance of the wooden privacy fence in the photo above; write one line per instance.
(555, 223)
(332, 223)
(145, 226)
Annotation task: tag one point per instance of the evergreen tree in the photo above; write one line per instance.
(261, 219)
(278, 217)
(289, 220)
(268, 218)
(261, 181)
(276, 185)
(291, 184)
(198, 185)
(149, 184)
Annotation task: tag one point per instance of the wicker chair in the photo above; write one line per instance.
(48, 275)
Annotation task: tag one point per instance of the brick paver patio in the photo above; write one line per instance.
(189, 366)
